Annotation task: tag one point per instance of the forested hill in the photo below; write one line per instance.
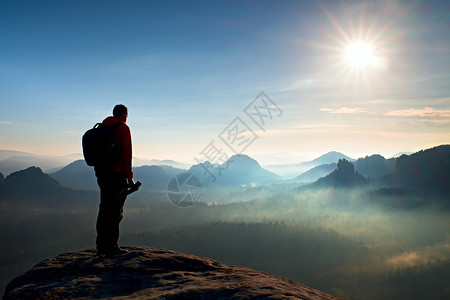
(33, 188)
(428, 170)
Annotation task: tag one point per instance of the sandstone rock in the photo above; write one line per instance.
(149, 273)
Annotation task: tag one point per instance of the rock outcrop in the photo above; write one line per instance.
(149, 273)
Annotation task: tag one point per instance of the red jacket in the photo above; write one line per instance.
(123, 139)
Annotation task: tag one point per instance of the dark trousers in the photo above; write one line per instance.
(110, 210)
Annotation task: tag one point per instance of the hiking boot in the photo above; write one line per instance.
(116, 251)
(111, 252)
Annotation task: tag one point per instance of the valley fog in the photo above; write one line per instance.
(384, 234)
(342, 241)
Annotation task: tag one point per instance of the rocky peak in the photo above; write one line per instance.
(149, 273)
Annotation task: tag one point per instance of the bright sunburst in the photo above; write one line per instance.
(359, 55)
(357, 50)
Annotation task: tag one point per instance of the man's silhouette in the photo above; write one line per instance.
(112, 180)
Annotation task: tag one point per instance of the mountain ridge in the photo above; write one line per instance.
(238, 170)
(344, 176)
(12, 161)
(241, 171)
(294, 170)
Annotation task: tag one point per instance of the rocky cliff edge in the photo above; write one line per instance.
(149, 273)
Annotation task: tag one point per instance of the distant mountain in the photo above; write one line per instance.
(77, 175)
(400, 154)
(12, 161)
(330, 157)
(286, 171)
(292, 170)
(155, 178)
(315, 173)
(30, 184)
(375, 166)
(239, 170)
(344, 176)
(8, 153)
(156, 162)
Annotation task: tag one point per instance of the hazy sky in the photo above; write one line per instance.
(189, 71)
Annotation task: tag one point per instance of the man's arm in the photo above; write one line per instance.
(125, 146)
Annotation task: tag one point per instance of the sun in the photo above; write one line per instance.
(355, 50)
(359, 55)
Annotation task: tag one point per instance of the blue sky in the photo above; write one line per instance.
(187, 69)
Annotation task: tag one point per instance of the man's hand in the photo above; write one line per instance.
(131, 183)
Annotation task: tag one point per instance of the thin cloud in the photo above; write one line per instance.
(6, 122)
(433, 77)
(344, 110)
(425, 112)
(303, 128)
(73, 132)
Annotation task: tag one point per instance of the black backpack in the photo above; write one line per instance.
(99, 146)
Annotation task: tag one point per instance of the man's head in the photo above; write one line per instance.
(120, 111)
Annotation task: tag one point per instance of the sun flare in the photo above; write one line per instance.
(359, 55)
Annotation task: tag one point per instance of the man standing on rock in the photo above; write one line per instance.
(112, 180)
